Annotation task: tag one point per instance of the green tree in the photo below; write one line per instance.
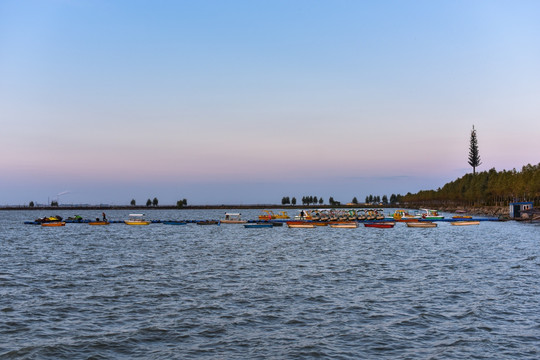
(148, 202)
(474, 155)
(385, 200)
(155, 202)
(321, 201)
(179, 204)
(293, 200)
(31, 204)
(355, 200)
(133, 202)
(184, 201)
(54, 203)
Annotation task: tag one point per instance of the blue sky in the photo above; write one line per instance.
(249, 101)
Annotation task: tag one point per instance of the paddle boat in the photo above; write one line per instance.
(380, 224)
(421, 224)
(233, 218)
(136, 219)
(404, 216)
(268, 215)
(465, 223)
(282, 215)
(361, 215)
(429, 214)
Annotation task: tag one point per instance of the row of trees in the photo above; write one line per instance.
(487, 188)
(314, 200)
(155, 202)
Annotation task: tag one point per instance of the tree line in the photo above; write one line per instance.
(486, 188)
(370, 199)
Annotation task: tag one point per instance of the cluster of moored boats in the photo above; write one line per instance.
(305, 219)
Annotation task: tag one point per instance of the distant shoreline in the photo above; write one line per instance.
(194, 207)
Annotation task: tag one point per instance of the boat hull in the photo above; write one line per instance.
(53, 224)
(175, 223)
(344, 225)
(465, 223)
(421, 224)
(98, 223)
(258, 226)
(132, 222)
(380, 225)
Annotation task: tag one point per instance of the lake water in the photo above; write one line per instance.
(226, 292)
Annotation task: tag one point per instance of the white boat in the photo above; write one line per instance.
(429, 214)
(233, 218)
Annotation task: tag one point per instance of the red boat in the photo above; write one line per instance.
(382, 225)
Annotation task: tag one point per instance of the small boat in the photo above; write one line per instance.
(344, 224)
(136, 219)
(429, 214)
(300, 224)
(421, 224)
(462, 217)
(464, 223)
(208, 222)
(268, 215)
(98, 222)
(54, 223)
(381, 224)
(233, 218)
(404, 216)
(174, 223)
(258, 225)
(282, 215)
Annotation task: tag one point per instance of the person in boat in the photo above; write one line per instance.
(302, 214)
(104, 216)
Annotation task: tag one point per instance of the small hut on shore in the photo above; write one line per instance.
(518, 208)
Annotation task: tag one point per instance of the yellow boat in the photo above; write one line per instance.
(281, 215)
(136, 219)
(54, 223)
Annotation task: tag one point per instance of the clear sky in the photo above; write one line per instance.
(242, 102)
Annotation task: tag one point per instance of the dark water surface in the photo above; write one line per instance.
(226, 292)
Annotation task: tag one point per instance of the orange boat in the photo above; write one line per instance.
(54, 223)
(98, 223)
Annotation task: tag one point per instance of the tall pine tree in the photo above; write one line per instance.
(474, 155)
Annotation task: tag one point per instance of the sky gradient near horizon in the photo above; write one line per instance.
(241, 102)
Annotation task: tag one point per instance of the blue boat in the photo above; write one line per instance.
(258, 225)
(174, 222)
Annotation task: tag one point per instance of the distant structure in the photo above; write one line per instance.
(517, 208)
